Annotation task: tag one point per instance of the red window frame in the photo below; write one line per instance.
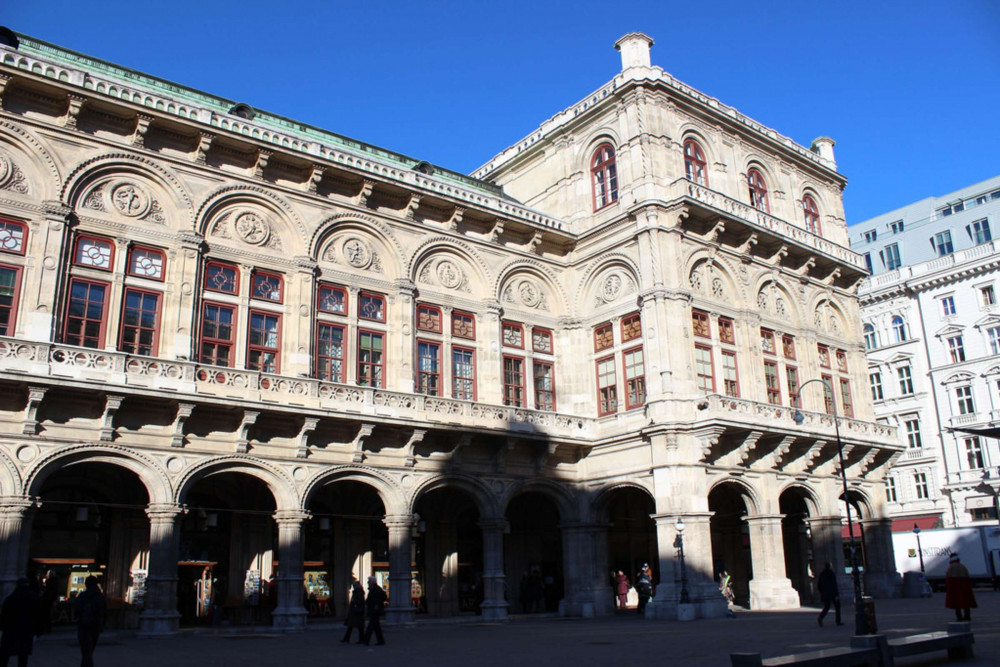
(772, 382)
(727, 330)
(469, 392)
(730, 387)
(604, 176)
(218, 286)
(758, 190)
(827, 393)
(99, 239)
(545, 385)
(429, 378)
(7, 238)
(846, 402)
(461, 320)
(10, 309)
(824, 355)
(425, 318)
(82, 338)
(513, 381)
(262, 348)
(155, 251)
(811, 214)
(329, 305)
(792, 385)
(325, 363)
(538, 334)
(767, 345)
(365, 302)
(512, 327)
(604, 337)
(841, 361)
(266, 276)
(701, 325)
(217, 343)
(788, 346)
(699, 366)
(607, 386)
(634, 372)
(128, 333)
(631, 327)
(695, 163)
(371, 369)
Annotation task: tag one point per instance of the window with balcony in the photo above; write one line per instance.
(86, 313)
(513, 381)
(899, 329)
(956, 349)
(607, 386)
(704, 371)
(771, 382)
(694, 163)
(217, 334)
(913, 440)
(920, 486)
(792, 385)
(905, 376)
(10, 290)
(757, 187)
(635, 378)
(963, 398)
(545, 386)
(871, 338)
(463, 373)
(875, 382)
(810, 212)
(974, 453)
(980, 231)
(140, 322)
(947, 306)
(428, 368)
(890, 257)
(330, 362)
(371, 359)
(942, 243)
(604, 176)
(264, 342)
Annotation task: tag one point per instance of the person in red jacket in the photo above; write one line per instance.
(958, 589)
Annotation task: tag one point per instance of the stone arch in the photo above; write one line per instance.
(281, 485)
(773, 298)
(561, 497)
(436, 246)
(596, 137)
(486, 499)
(149, 472)
(751, 497)
(599, 503)
(593, 286)
(389, 493)
(815, 192)
(321, 243)
(811, 501)
(331, 224)
(10, 477)
(699, 262)
(828, 316)
(49, 180)
(218, 203)
(860, 500)
(116, 164)
(530, 269)
(691, 130)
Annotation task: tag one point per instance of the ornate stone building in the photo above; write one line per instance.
(234, 346)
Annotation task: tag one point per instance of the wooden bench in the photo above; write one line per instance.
(828, 657)
(957, 641)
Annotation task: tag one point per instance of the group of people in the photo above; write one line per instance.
(373, 607)
(26, 614)
(643, 587)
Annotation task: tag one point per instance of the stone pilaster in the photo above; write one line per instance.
(585, 549)
(702, 589)
(160, 616)
(494, 607)
(289, 614)
(400, 609)
(769, 588)
(15, 533)
(828, 547)
(881, 578)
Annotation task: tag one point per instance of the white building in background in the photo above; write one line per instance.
(932, 329)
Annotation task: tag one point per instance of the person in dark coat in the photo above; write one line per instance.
(829, 593)
(91, 609)
(622, 584)
(356, 614)
(644, 586)
(376, 607)
(19, 622)
(958, 589)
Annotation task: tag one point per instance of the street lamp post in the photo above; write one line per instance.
(679, 545)
(860, 619)
(920, 552)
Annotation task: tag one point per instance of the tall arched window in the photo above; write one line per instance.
(899, 329)
(694, 163)
(811, 213)
(758, 190)
(605, 176)
(871, 338)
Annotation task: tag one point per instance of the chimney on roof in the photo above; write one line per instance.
(634, 48)
(824, 147)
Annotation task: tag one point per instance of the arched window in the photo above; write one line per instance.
(871, 338)
(605, 176)
(899, 329)
(758, 190)
(694, 163)
(811, 213)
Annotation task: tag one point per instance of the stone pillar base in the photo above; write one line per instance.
(713, 606)
(158, 624)
(494, 611)
(883, 584)
(773, 594)
(289, 620)
(397, 616)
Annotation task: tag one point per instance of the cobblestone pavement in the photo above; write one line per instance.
(536, 640)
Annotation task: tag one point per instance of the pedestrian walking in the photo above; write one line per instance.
(958, 589)
(19, 621)
(91, 609)
(376, 607)
(644, 586)
(356, 613)
(829, 593)
(622, 584)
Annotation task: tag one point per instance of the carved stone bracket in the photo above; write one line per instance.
(748, 244)
(716, 231)
(243, 433)
(4, 80)
(111, 404)
(142, 123)
(774, 458)
(833, 277)
(366, 192)
(204, 144)
(497, 231)
(805, 268)
(312, 185)
(73, 112)
(30, 423)
(412, 206)
(741, 453)
(456, 218)
(184, 411)
(500, 457)
(779, 254)
(543, 452)
(262, 159)
(358, 446)
(308, 426)
(415, 438)
(708, 438)
(456, 451)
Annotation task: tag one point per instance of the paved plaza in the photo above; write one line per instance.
(535, 640)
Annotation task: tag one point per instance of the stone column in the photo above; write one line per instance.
(290, 614)
(828, 547)
(702, 589)
(160, 616)
(15, 534)
(585, 557)
(400, 557)
(769, 588)
(881, 578)
(494, 605)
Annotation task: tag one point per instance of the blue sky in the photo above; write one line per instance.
(909, 90)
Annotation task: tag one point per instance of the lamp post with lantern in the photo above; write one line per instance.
(679, 545)
(920, 552)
